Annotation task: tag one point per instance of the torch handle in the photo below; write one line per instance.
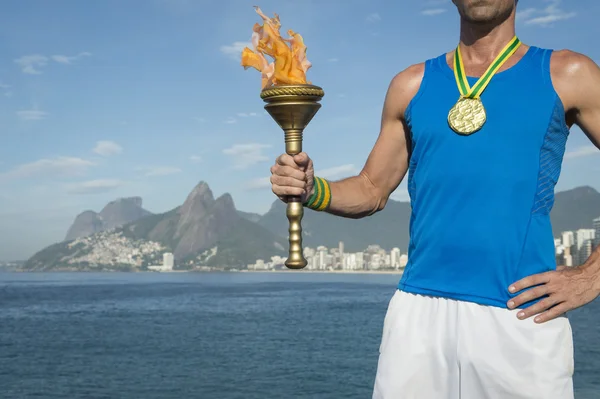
(295, 209)
(294, 213)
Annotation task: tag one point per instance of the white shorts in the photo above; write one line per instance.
(438, 348)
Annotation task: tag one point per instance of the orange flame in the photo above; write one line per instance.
(289, 54)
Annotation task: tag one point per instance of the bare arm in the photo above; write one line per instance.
(386, 166)
(578, 84)
(577, 81)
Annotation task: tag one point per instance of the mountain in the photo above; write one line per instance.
(209, 231)
(253, 217)
(115, 214)
(202, 223)
(573, 209)
(202, 231)
(388, 228)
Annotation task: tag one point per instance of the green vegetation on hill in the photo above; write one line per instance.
(205, 231)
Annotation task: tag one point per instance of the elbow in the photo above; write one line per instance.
(377, 198)
(380, 202)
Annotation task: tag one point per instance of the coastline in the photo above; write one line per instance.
(394, 272)
(398, 272)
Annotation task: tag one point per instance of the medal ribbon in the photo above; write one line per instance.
(481, 84)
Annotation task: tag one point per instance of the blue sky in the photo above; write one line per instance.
(100, 100)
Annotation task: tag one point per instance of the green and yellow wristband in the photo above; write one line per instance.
(321, 197)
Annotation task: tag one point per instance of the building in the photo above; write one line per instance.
(597, 232)
(339, 258)
(567, 250)
(168, 260)
(403, 261)
(168, 263)
(395, 258)
(584, 242)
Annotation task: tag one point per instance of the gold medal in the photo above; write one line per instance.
(468, 114)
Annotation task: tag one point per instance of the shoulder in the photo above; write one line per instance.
(409, 80)
(573, 75)
(570, 65)
(404, 86)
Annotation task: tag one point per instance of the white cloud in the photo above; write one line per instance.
(230, 121)
(246, 155)
(582, 152)
(374, 17)
(258, 184)
(247, 114)
(234, 50)
(107, 148)
(333, 59)
(337, 171)
(195, 159)
(156, 171)
(66, 59)
(433, 11)
(199, 120)
(526, 13)
(545, 16)
(30, 63)
(56, 167)
(94, 186)
(33, 63)
(5, 89)
(31, 115)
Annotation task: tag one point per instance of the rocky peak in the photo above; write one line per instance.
(198, 202)
(115, 214)
(225, 201)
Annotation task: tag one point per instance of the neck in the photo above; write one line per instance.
(481, 43)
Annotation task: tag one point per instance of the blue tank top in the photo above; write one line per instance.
(481, 203)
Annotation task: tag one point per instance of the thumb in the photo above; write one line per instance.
(301, 159)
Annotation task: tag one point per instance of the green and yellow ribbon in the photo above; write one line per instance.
(321, 197)
(461, 77)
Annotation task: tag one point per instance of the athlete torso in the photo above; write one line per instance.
(481, 203)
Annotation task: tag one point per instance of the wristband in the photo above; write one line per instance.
(321, 196)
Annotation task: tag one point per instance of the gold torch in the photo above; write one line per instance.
(291, 101)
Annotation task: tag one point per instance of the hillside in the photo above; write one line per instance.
(211, 232)
(202, 231)
(115, 214)
(573, 209)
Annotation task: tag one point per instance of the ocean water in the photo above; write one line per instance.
(221, 336)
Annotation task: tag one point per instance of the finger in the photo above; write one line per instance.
(538, 308)
(553, 313)
(287, 191)
(286, 160)
(301, 159)
(287, 181)
(288, 171)
(530, 281)
(529, 295)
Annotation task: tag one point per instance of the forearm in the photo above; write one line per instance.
(355, 197)
(591, 268)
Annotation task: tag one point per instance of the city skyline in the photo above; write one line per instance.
(126, 111)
